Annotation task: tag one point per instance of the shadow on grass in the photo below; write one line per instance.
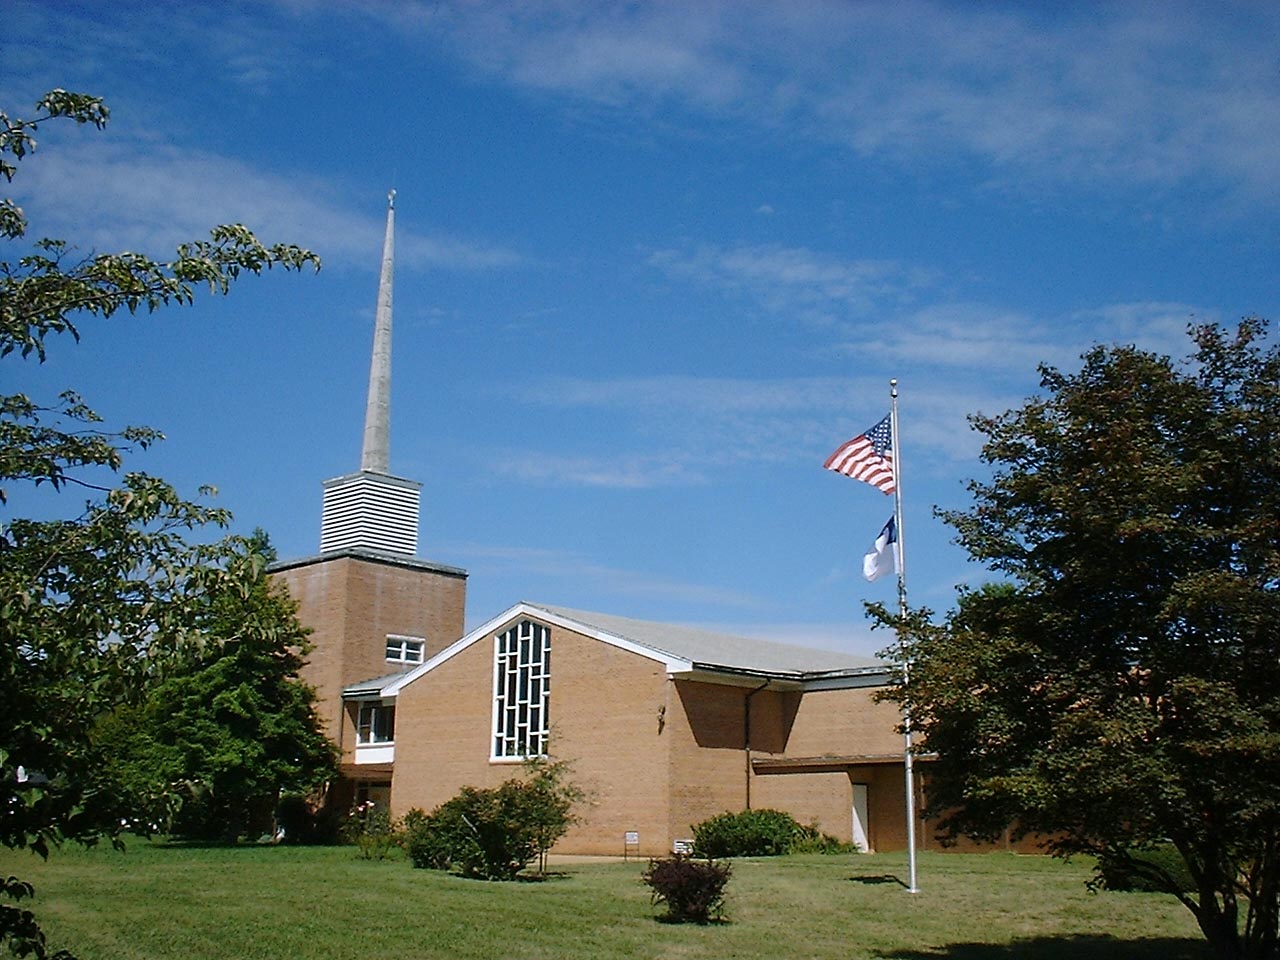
(679, 921)
(182, 843)
(878, 878)
(546, 877)
(1095, 947)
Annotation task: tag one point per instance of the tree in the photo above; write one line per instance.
(1120, 690)
(234, 728)
(93, 608)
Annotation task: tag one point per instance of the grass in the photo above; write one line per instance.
(159, 902)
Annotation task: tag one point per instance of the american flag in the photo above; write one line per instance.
(867, 457)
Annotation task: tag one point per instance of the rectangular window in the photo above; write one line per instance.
(376, 723)
(521, 691)
(404, 649)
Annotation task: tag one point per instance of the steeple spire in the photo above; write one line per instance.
(375, 454)
(372, 510)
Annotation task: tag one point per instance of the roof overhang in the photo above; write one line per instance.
(805, 681)
(830, 764)
(365, 555)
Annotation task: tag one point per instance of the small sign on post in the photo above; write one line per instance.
(630, 843)
(684, 847)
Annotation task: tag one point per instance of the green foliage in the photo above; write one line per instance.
(233, 727)
(1121, 688)
(40, 293)
(373, 831)
(493, 834)
(813, 840)
(760, 833)
(19, 930)
(1156, 869)
(751, 833)
(692, 890)
(94, 608)
(479, 833)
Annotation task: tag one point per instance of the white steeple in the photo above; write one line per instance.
(372, 510)
(375, 454)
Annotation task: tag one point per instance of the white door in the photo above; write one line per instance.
(860, 817)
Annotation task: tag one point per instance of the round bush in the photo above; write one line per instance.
(751, 833)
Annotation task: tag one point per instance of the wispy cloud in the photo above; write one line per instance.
(1125, 94)
(627, 471)
(895, 313)
(1007, 344)
(795, 280)
(669, 431)
(107, 191)
(561, 566)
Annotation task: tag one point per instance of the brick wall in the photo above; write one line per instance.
(351, 603)
(606, 720)
(654, 755)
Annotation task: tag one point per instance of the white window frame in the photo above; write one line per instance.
(366, 733)
(521, 692)
(401, 649)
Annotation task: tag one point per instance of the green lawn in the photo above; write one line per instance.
(157, 901)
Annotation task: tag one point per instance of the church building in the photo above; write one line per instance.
(663, 725)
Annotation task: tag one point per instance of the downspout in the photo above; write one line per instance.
(746, 735)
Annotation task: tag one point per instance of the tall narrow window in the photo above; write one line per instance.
(521, 689)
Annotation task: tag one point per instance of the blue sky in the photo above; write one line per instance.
(654, 261)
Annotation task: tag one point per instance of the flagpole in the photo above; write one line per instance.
(909, 773)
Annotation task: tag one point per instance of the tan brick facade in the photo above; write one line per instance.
(352, 602)
(654, 754)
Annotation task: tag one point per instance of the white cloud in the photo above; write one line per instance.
(880, 309)
(795, 280)
(627, 471)
(110, 192)
(563, 566)
(697, 427)
(1127, 94)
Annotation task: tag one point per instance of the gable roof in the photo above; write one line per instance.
(686, 652)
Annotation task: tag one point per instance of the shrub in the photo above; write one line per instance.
(493, 834)
(812, 840)
(751, 833)
(692, 890)
(429, 842)
(372, 830)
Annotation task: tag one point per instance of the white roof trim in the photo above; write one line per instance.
(525, 609)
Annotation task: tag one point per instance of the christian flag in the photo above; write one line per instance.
(867, 457)
(882, 558)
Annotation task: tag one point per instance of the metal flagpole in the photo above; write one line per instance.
(902, 614)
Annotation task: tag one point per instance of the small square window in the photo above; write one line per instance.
(405, 649)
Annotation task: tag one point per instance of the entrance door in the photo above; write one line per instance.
(860, 829)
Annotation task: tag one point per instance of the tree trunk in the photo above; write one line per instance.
(1219, 921)
(1224, 938)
